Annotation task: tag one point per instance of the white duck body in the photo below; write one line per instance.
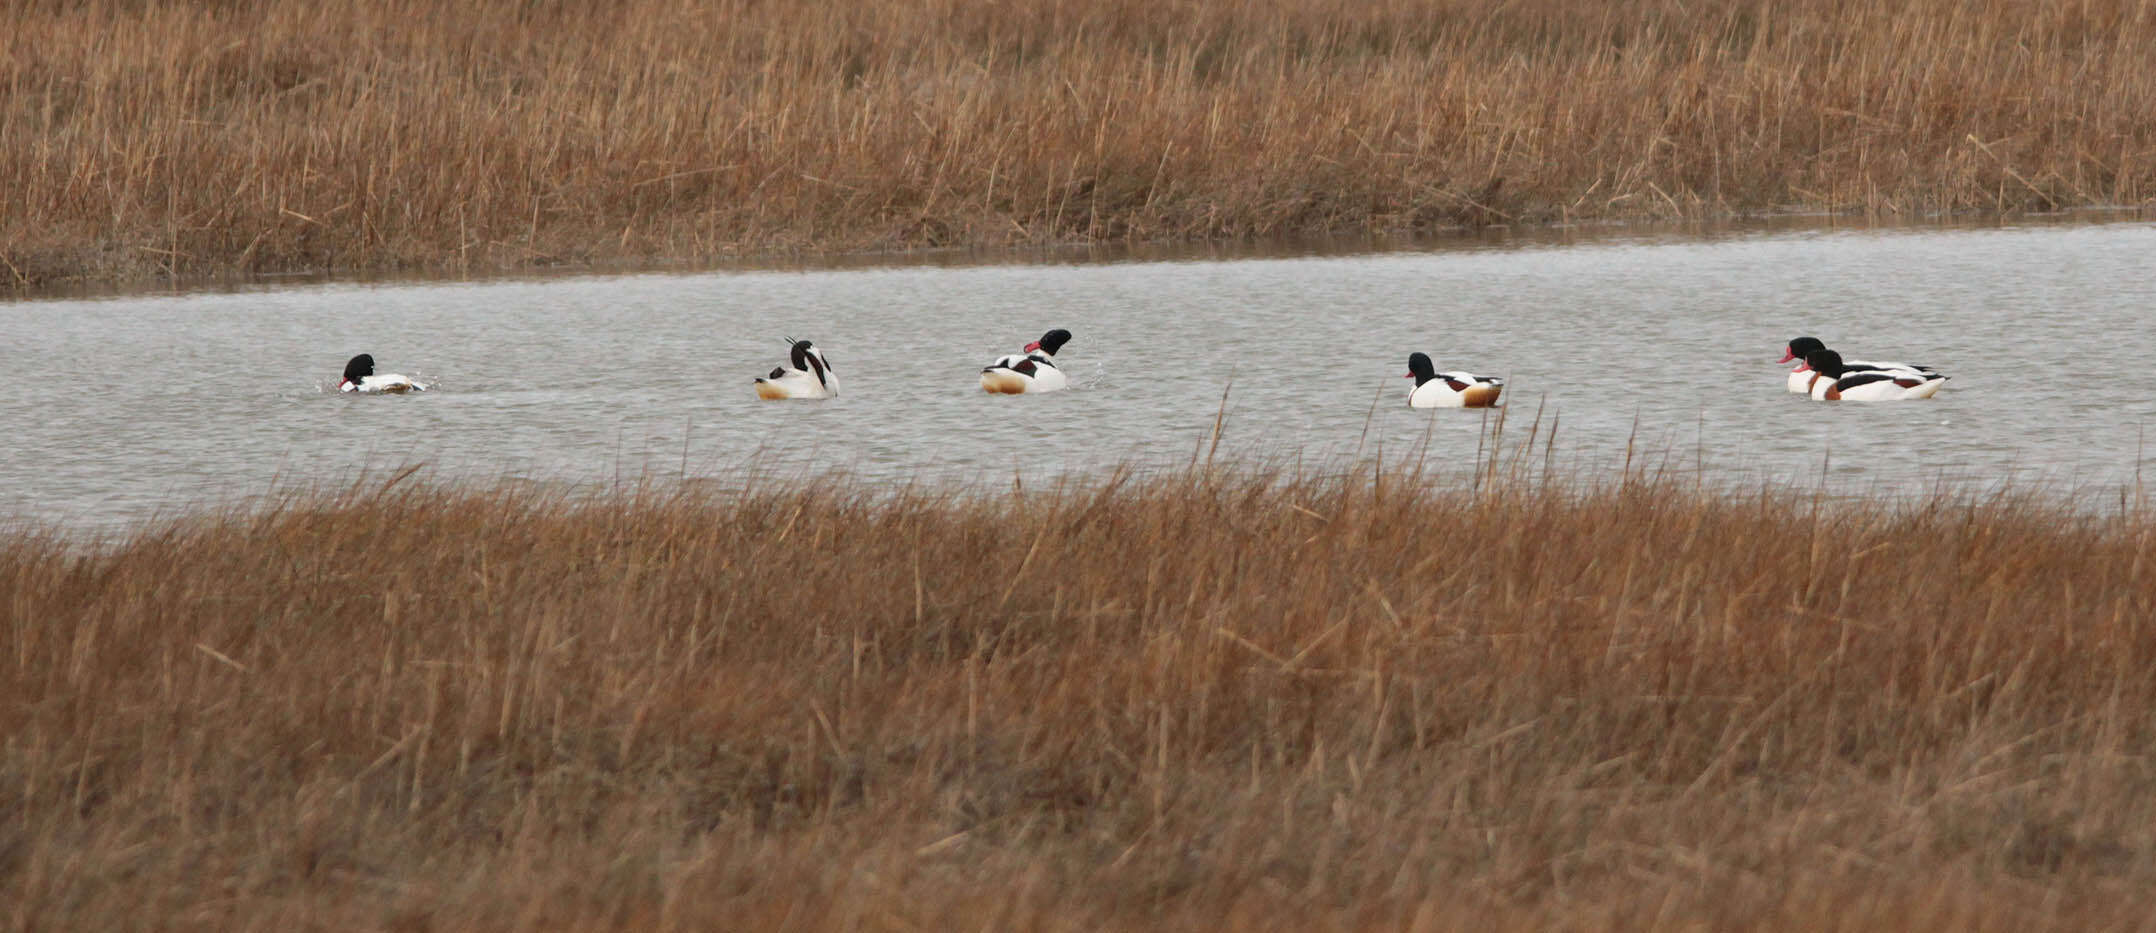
(810, 376)
(1877, 386)
(1434, 389)
(1841, 382)
(359, 376)
(1022, 373)
(385, 383)
(1803, 379)
(1031, 372)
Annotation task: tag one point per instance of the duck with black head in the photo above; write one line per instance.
(810, 376)
(1802, 377)
(1031, 371)
(359, 376)
(1434, 389)
(1839, 382)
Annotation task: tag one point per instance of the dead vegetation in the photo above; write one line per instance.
(1212, 700)
(199, 138)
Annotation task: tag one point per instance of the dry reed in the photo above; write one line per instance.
(1202, 701)
(193, 138)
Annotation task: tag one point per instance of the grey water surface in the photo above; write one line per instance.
(128, 408)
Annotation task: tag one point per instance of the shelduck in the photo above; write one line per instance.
(1434, 389)
(810, 376)
(1801, 378)
(1837, 382)
(359, 376)
(1031, 371)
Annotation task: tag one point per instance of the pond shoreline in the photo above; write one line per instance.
(1348, 243)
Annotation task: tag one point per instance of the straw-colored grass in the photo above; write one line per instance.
(1187, 702)
(192, 138)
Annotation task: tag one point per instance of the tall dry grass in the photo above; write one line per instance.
(1188, 702)
(187, 138)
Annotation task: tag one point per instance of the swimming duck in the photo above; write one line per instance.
(1838, 382)
(1034, 370)
(809, 377)
(1801, 378)
(359, 376)
(1434, 389)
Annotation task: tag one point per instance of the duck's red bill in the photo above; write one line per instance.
(1787, 355)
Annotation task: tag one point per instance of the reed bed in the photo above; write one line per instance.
(179, 138)
(1206, 700)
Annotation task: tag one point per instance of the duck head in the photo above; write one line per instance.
(1800, 348)
(807, 358)
(1420, 369)
(359, 368)
(1050, 342)
(1824, 362)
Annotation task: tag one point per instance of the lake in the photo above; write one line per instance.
(129, 407)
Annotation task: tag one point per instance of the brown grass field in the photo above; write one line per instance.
(1198, 701)
(144, 138)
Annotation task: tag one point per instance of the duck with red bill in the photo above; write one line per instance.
(1802, 378)
(1029, 372)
